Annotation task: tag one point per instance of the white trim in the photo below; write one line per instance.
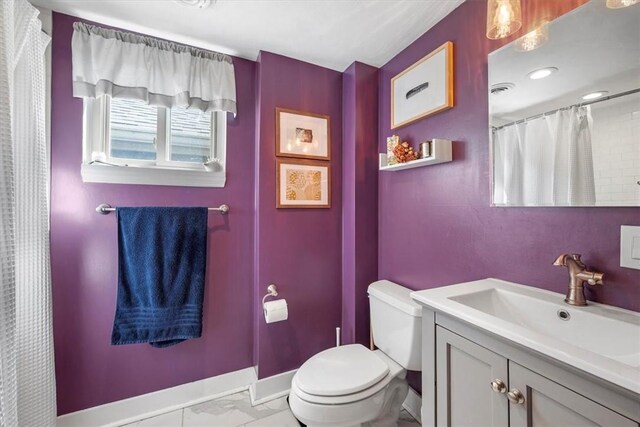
(271, 388)
(151, 176)
(95, 115)
(413, 404)
(161, 172)
(160, 402)
(163, 133)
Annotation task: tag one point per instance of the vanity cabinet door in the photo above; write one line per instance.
(546, 403)
(464, 374)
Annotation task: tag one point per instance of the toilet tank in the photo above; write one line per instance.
(396, 323)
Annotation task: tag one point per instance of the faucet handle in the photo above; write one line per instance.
(576, 256)
(595, 279)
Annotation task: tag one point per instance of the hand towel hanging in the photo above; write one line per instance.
(161, 270)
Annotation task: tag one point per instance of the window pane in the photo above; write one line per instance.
(190, 135)
(133, 129)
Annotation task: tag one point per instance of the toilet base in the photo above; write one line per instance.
(379, 410)
(390, 412)
(299, 422)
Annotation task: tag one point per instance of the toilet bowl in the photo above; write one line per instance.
(351, 385)
(348, 386)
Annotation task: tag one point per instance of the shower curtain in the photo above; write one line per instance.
(547, 161)
(27, 387)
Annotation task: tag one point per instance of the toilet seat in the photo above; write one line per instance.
(347, 374)
(339, 371)
(340, 400)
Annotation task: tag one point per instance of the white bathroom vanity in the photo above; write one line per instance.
(501, 354)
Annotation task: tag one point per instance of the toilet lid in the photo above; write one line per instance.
(340, 370)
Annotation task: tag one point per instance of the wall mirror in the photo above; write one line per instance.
(564, 111)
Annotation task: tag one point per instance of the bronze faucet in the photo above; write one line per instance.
(578, 274)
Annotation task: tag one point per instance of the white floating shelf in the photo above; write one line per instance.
(440, 153)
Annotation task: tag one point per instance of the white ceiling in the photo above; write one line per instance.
(594, 49)
(331, 33)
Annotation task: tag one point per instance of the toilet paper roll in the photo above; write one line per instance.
(275, 311)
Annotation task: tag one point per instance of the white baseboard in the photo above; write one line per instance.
(160, 402)
(413, 404)
(271, 388)
(168, 400)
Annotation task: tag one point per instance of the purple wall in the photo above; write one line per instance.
(297, 249)
(359, 198)
(89, 371)
(435, 223)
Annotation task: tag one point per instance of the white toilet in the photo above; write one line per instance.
(351, 385)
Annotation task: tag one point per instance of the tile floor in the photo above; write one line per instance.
(235, 410)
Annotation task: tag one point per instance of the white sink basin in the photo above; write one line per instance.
(599, 339)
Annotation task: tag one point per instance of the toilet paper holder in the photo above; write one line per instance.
(272, 291)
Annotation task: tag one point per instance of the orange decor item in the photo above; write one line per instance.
(405, 153)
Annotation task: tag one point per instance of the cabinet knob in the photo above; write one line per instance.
(515, 396)
(498, 386)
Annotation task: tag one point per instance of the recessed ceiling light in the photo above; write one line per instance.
(594, 95)
(541, 73)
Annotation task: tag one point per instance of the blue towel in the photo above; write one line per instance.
(161, 267)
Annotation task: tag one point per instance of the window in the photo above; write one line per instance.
(129, 142)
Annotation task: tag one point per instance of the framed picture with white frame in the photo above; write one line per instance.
(302, 135)
(424, 88)
(303, 184)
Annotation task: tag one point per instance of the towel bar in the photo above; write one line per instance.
(106, 208)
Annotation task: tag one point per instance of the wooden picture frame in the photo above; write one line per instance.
(424, 88)
(303, 135)
(288, 193)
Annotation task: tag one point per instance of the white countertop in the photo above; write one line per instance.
(601, 340)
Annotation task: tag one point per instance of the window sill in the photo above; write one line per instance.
(152, 176)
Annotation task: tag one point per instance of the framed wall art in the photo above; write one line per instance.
(423, 89)
(302, 135)
(303, 184)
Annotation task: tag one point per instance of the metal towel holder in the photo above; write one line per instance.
(105, 209)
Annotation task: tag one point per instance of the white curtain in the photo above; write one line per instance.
(547, 161)
(162, 73)
(574, 180)
(27, 386)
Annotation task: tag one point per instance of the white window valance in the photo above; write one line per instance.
(162, 73)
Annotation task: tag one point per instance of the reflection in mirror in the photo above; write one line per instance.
(565, 112)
